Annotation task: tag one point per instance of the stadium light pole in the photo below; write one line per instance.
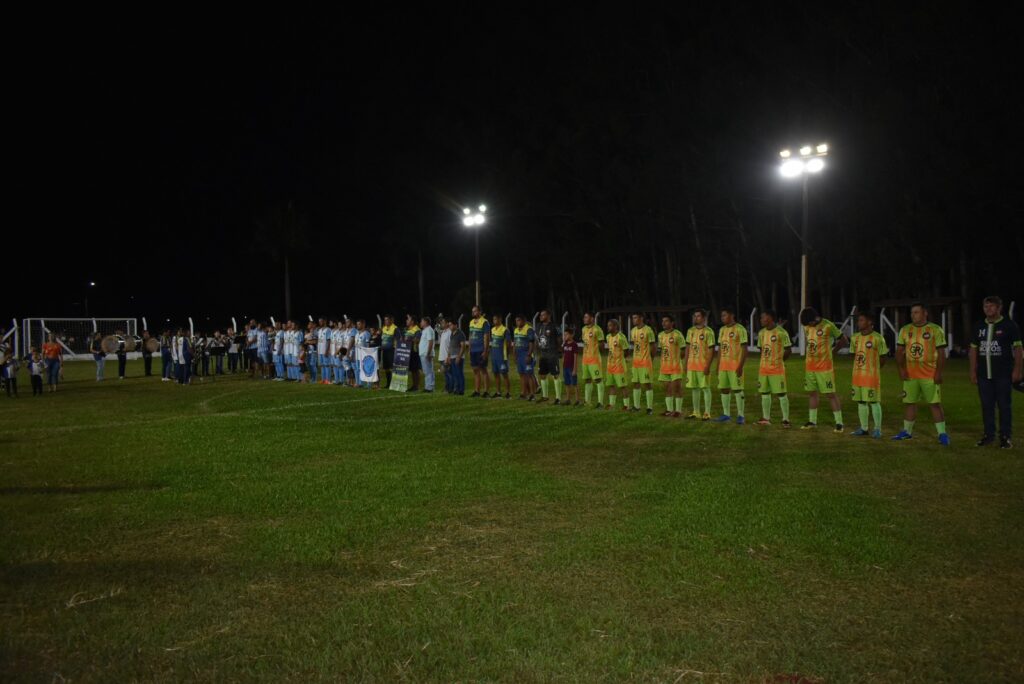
(811, 160)
(91, 285)
(475, 222)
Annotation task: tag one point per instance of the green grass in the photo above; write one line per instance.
(248, 530)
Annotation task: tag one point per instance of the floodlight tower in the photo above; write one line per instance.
(811, 160)
(475, 221)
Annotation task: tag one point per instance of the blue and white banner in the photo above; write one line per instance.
(366, 359)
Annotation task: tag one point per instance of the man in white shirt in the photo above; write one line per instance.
(427, 339)
(278, 352)
(444, 341)
(337, 344)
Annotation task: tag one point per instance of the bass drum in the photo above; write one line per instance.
(109, 344)
(129, 343)
(152, 345)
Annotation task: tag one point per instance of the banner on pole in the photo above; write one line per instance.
(400, 374)
(366, 358)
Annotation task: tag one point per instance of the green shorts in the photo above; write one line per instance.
(820, 381)
(730, 381)
(669, 377)
(771, 384)
(591, 371)
(641, 375)
(921, 390)
(867, 395)
(696, 380)
(617, 379)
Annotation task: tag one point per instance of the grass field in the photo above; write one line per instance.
(244, 529)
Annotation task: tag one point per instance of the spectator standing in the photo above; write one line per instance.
(442, 353)
(996, 365)
(147, 356)
(426, 351)
(457, 346)
(36, 369)
(53, 358)
(98, 355)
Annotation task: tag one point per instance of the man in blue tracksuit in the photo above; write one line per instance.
(996, 360)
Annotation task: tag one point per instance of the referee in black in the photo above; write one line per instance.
(995, 367)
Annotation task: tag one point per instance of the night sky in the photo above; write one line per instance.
(154, 157)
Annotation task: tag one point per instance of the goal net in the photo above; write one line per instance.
(74, 334)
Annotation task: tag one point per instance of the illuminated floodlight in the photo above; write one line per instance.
(785, 154)
(479, 219)
(815, 165)
(468, 221)
(805, 150)
(483, 208)
(791, 168)
(822, 148)
(466, 211)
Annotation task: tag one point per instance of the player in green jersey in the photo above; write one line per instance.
(869, 350)
(732, 353)
(921, 357)
(822, 338)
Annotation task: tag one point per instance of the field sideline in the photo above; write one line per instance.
(244, 529)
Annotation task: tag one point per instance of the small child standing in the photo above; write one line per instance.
(11, 376)
(36, 369)
(570, 350)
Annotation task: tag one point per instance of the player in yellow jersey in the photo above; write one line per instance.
(869, 350)
(700, 352)
(642, 368)
(732, 353)
(822, 338)
(592, 338)
(771, 375)
(671, 344)
(617, 346)
(921, 357)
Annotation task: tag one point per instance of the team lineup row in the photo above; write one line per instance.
(617, 368)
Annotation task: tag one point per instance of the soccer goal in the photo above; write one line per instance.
(74, 334)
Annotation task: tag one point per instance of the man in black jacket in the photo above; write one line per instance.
(996, 360)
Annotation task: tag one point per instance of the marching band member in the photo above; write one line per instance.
(122, 355)
(183, 357)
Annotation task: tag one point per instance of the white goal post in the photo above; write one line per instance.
(74, 334)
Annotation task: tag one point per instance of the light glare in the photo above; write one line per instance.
(822, 148)
(791, 168)
(805, 150)
(468, 221)
(785, 154)
(483, 208)
(466, 211)
(479, 219)
(815, 165)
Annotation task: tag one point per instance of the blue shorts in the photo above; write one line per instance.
(524, 363)
(499, 364)
(568, 377)
(265, 357)
(476, 359)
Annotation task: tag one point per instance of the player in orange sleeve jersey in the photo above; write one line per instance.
(822, 338)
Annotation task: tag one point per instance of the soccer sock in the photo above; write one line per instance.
(812, 415)
(612, 398)
(838, 415)
(679, 404)
(908, 427)
(876, 412)
(668, 403)
(558, 389)
(625, 400)
(726, 404)
(588, 391)
(741, 403)
(650, 399)
(863, 412)
(544, 388)
(707, 399)
(784, 403)
(636, 399)
(695, 394)
(766, 406)
(600, 393)
(940, 427)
